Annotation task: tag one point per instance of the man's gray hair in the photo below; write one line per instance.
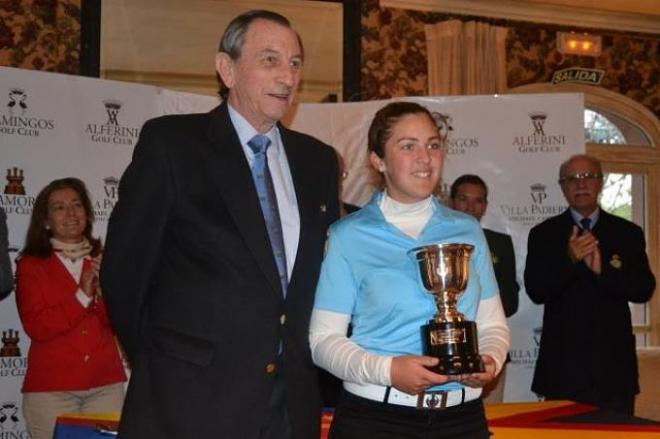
(233, 37)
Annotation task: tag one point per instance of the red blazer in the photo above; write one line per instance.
(73, 347)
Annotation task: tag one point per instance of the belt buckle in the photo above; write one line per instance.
(433, 400)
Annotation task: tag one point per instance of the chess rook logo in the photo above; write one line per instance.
(8, 415)
(14, 184)
(112, 107)
(10, 344)
(17, 98)
(537, 192)
(538, 119)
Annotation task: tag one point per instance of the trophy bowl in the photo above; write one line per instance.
(444, 271)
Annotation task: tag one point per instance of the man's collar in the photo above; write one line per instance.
(244, 129)
(577, 216)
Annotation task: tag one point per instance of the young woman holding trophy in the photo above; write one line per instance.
(412, 277)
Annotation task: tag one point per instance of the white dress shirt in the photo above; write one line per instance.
(278, 165)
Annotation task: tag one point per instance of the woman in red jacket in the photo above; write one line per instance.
(73, 362)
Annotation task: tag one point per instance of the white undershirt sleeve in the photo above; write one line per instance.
(336, 353)
(493, 331)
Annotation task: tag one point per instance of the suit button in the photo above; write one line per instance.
(86, 358)
(84, 332)
(282, 319)
(271, 368)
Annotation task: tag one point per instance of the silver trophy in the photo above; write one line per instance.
(444, 270)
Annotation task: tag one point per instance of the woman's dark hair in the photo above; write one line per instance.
(37, 241)
(385, 118)
(468, 179)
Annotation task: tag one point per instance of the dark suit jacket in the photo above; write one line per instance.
(587, 350)
(504, 264)
(192, 287)
(6, 276)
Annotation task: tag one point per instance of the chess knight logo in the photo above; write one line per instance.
(10, 344)
(14, 184)
(112, 107)
(538, 120)
(17, 97)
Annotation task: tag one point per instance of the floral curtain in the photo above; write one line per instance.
(465, 58)
(40, 34)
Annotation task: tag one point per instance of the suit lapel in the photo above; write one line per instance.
(568, 220)
(233, 179)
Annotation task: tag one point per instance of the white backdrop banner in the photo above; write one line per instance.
(54, 126)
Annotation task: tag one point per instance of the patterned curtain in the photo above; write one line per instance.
(40, 34)
(465, 58)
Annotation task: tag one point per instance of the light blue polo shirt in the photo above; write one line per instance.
(368, 274)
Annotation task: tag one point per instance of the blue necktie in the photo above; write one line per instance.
(586, 224)
(268, 200)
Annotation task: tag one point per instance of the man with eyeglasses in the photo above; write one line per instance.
(585, 265)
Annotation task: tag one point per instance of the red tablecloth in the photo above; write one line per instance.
(537, 420)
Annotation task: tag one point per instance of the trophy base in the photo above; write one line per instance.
(455, 345)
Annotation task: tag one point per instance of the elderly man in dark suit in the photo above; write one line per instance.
(585, 265)
(469, 194)
(214, 250)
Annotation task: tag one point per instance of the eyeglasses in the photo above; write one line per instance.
(573, 179)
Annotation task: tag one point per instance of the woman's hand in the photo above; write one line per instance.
(477, 380)
(410, 375)
(89, 279)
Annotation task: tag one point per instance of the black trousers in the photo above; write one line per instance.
(358, 418)
(276, 422)
(622, 404)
